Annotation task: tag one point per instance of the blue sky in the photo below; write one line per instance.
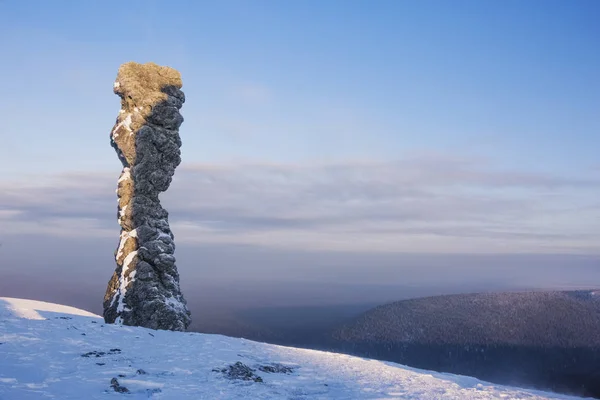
(514, 82)
(427, 126)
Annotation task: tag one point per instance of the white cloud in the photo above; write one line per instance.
(425, 204)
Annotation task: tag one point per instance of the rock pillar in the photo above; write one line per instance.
(144, 289)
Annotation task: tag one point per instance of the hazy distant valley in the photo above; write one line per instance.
(246, 293)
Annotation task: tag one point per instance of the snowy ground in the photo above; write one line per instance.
(49, 351)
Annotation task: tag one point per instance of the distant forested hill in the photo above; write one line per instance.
(541, 339)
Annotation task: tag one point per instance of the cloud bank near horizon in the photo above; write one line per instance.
(426, 204)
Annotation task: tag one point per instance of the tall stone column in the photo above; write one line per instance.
(144, 289)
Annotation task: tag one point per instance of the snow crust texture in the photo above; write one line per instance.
(70, 356)
(144, 289)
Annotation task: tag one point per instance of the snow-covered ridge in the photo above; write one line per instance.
(30, 309)
(72, 354)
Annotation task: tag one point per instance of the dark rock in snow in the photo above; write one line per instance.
(100, 353)
(276, 369)
(93, 354)
(240, 371)
(140, 372)
(114, 383)
(144, 289)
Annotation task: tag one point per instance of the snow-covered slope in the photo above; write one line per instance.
(53, 351)
(30, 309)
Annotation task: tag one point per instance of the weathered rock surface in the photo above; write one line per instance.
(114, 383)
(240, 371)
(276, 368)
(144, 289)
